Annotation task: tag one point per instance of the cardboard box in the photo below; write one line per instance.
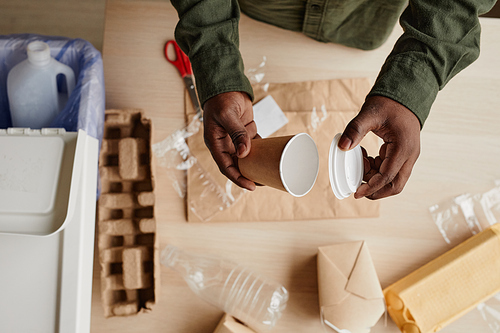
(128, 246)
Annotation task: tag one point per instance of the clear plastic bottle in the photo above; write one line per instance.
(253, 299)
(32, 90)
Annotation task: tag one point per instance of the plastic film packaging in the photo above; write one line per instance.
(467, 214)
(457, 219)
(490, 203)
(174, 156)
(318, 117)
(257, 74)
(212, 198)
(490, 312)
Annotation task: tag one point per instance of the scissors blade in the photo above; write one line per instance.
(188, 81)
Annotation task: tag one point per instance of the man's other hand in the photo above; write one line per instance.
(386, 174)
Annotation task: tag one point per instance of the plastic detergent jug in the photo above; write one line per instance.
(32, 88)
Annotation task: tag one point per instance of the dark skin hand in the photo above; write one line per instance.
(386, 174)
(228, 128)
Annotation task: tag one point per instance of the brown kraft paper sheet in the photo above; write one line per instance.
(335, 102)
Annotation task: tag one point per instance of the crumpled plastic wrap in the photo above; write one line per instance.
(456, 219)
(174, 156)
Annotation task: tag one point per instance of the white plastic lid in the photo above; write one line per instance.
(346, 169)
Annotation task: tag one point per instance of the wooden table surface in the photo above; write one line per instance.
(460, 153)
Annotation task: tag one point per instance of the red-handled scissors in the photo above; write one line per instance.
(182, 63)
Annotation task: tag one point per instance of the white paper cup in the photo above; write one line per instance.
(288, 163)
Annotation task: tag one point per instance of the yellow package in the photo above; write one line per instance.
(447, 287)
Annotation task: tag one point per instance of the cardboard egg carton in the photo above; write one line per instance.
(127, 242)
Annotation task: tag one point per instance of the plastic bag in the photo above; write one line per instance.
(490, 202)
(467, 214)
(490, 312)
(457, 219)
(174, 156)
(85, 107)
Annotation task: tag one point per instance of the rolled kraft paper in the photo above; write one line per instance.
(262, 164)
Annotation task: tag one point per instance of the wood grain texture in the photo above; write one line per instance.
(460, 153)
(69, 18)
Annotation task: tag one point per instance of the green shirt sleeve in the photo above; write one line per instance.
(440, 39)
(207, 32)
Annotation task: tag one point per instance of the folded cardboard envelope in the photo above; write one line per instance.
(230, 325)
(350, 296)
(319, 108)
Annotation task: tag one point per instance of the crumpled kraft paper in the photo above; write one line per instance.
(319, 108)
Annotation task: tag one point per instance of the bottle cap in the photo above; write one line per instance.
(346, 169)
(38, 53)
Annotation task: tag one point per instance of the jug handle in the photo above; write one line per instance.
(70, 78)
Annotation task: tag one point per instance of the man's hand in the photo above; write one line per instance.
(386, 174)
(228, 128)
